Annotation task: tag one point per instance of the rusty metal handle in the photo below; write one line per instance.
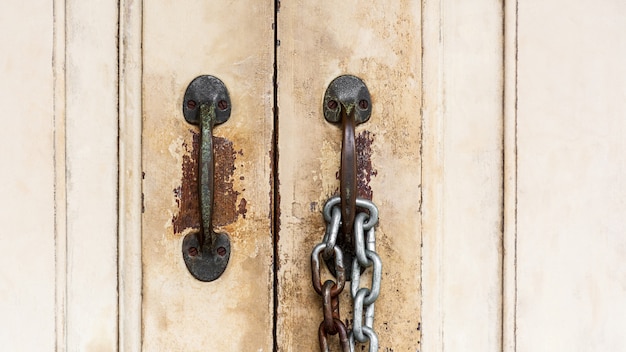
(348, 174)
(206, 103)
(347, 101)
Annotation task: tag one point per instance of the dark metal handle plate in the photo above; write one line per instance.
(206, 103)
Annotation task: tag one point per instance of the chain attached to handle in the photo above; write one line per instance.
(347, 101)
(364, 298)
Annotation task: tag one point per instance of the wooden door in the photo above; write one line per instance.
(109, 82)
(279, 163)
(182, 40)
(494, 152)
(379, 43)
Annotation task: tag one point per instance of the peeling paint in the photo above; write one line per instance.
(241, 208)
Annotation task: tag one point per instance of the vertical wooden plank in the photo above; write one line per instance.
(130, 175)
(60, 189)
(91, 174)
(462, 175)
(182, 40)
(571, 273)
(509, 240)
(27, 248)
(380, 43)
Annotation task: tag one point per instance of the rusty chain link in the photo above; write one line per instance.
(363, 297)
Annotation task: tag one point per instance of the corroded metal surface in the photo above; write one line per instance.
(232, 203)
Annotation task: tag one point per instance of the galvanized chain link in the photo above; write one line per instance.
(363, 297)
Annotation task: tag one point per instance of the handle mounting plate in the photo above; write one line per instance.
(347, 92)
(210, 90)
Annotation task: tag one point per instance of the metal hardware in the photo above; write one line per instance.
(365, 256)
(330, 290)
(206, 103)
(347, 101)
(363, 297)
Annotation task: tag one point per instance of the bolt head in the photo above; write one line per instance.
(222, 105)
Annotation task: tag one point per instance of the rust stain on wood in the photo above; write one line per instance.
(365, 171)
(227, 209)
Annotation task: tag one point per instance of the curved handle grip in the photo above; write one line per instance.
(347, 179)
(347, 101)
(206, 253)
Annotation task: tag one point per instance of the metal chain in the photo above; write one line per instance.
(330, 290)
(363, 297)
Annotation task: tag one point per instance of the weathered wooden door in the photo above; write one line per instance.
(481, 245)
(235, 42)
(103, 191)
(277, 163)
(94, 91)
(494, 152)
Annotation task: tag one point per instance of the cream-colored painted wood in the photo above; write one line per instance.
(509, 239)
(91, 126)
(27, 249)
(59, 251)
(380, 43)
(571, 103)
(234, 42)
(130, 175)
(60, 189)
(462, 176)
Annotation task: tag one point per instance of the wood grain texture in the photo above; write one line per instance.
(182, 40)
(379, 43)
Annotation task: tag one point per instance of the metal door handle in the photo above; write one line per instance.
(206, 103)
(347, 101)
